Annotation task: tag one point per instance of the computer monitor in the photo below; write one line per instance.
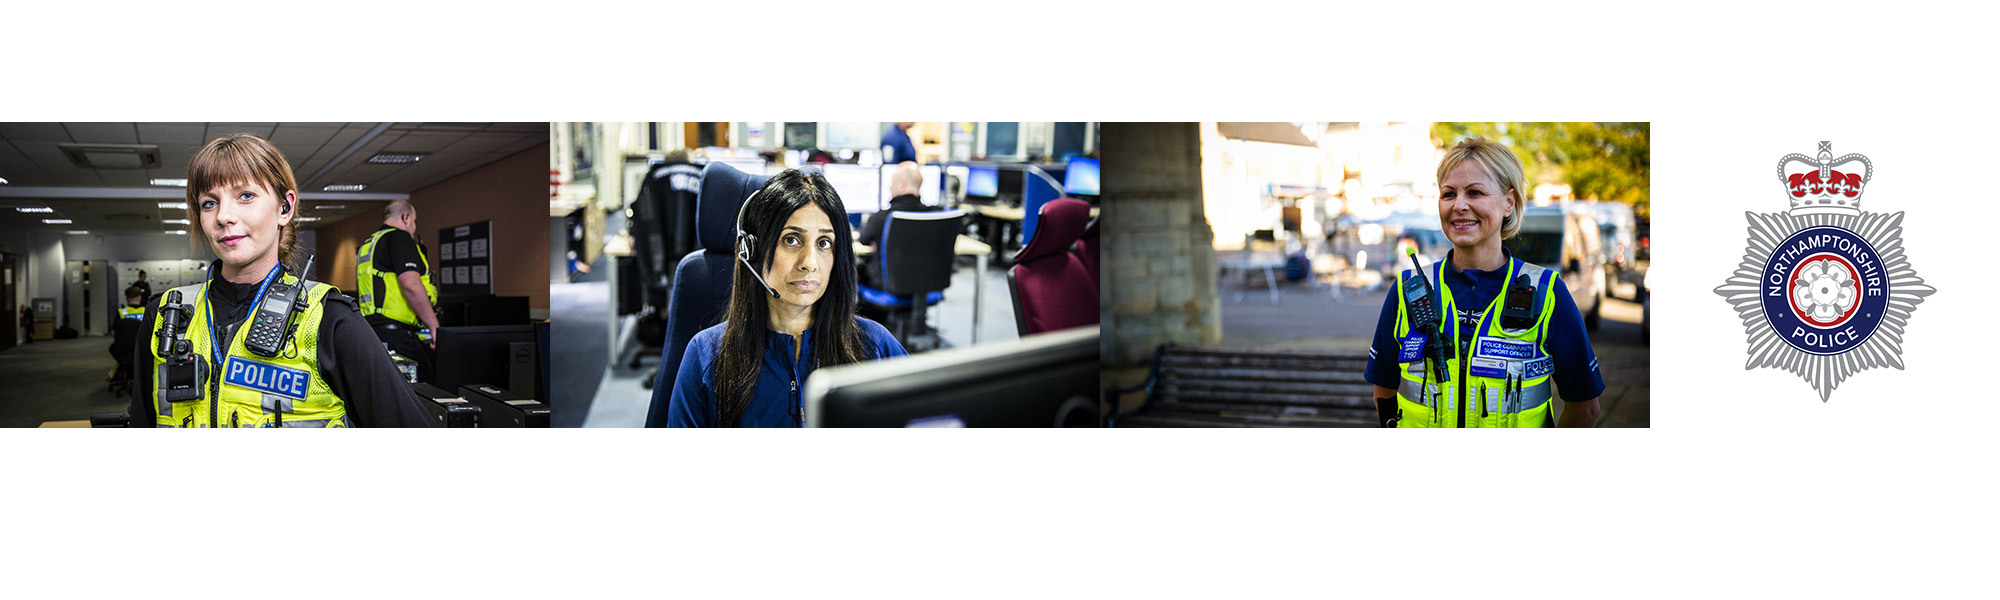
(1045, 380)
(983, 182)
(802, 136)
(859, 187)
(494, 354)
(1013, 182)
(1003, 140)
(853, 136)
(931, 192)
(1081, 178)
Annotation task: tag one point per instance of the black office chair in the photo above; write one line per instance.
(700, 290)
(663, 230)
(916, 261)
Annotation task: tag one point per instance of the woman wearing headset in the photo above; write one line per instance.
(790, 315)
(232, 351)
(1508, 328)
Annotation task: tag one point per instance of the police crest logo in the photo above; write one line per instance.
(1825, 289)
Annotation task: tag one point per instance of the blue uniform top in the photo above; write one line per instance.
(899, 144)
(775, 399)
(1576, 375)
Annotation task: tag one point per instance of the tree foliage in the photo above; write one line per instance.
(1599, 161)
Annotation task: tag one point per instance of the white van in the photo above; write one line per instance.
(1569, 241)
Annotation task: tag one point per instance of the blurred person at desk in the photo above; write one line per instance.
(904, 188)
(1480, 338)
(747, 371)
(232, 351)
(896, 145)
(397, 296)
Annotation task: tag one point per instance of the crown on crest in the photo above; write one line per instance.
(1820, 186)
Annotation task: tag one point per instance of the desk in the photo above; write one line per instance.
(1012, 215)
(963, 246)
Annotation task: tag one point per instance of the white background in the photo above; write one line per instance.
(1746, 485)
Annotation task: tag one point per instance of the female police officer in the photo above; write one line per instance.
(791, 313)
(1475, 340)
(236, 350)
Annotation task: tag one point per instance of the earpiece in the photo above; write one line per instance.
(746, 245)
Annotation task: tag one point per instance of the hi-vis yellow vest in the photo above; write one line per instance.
(379, 291)
(248, 390)
(1482, 361)
(136, 313)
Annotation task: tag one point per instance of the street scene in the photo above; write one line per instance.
(1309, 225)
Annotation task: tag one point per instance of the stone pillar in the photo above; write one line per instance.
(1158, 278)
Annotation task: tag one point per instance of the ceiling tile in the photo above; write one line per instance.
(289, 134)
(34, 132)
(103, 133)
(425, 142)
(176, 135)
(261, 129)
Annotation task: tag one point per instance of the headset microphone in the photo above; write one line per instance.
(746, 245)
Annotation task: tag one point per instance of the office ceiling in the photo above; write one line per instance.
(121, 201)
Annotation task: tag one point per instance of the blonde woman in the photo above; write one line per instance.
(1506, 334)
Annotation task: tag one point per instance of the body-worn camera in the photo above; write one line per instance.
(183, 374)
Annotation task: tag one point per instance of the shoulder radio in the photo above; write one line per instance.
(271, 322)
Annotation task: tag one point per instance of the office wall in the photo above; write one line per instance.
(512, 192)
(45, 270)
(16, 242)
(128, 248)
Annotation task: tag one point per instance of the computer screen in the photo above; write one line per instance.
(1044, 380)
(1003, 139)
(983, 182)
(801, 136)
(931, 191)
(485, 354)
(1081, 177)
(853, 136)
(859, 187)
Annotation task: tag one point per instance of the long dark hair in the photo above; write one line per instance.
(748, 319)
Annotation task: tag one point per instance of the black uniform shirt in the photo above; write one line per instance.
(396, 253)
(352, 361)
(871, 231)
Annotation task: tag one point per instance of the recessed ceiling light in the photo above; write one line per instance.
(345, 187)
(174, 205)
(56, 221)
(78, 232)
(34, 209)
(176, 221)
(179, 232)
(329, 206)
(395, 158)
(171, 182)
(308, 219)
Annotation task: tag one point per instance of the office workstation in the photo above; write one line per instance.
(98, 229)
(942, 223)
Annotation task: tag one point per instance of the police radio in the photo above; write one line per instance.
(271, 322)
(1423, 313)
(183, 374)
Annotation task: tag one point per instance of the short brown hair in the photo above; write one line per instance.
(239, 158)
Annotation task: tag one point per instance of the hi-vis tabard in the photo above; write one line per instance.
(248, 390)
(1484, 361)
(136, 313)
(379, 291)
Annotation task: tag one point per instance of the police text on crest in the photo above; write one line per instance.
(1781, 264)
